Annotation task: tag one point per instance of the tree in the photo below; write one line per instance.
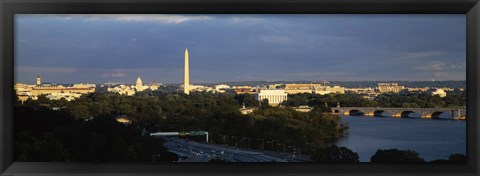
(395, 156)
(457, 158)
(42, 99)
(16, 100)
(80, 111)
(248, 99)
(295, 100)
(454, 158)
(334, 153)
(100, 108)
(264, 104)
(125, 109)
(217, 113)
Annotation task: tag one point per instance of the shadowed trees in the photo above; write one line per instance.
(85, 129)
(334, 154)
(454, 158)
(46, 135)
(248, 99)
(217, 113)
(396, 156)
(402, 99)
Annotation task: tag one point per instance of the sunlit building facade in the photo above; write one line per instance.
(130, 90)
(322, 88)
(389, 87)
(299, 88)
(221, 88)
(139, 84)
(439, 92)
(274, 97)
(53, 92)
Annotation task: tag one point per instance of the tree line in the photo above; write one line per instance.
(335, 154)
(86, 130)
(217, 113)
(44, 135)
(396, 100)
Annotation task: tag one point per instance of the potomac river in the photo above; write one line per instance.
(431, 138)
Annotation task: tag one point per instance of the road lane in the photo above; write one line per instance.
(202, 152)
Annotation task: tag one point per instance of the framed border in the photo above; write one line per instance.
(8, 9)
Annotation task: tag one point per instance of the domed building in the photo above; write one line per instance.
(139, 85)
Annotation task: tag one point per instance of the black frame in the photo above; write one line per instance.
(471, 8)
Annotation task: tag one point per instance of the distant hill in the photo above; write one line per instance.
(352, 84)
(450, 84)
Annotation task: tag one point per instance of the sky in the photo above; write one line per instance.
(239, 47)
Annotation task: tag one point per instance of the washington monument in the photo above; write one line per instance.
(186, 79)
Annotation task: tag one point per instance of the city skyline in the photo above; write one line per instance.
(133, 82)
(226, 48)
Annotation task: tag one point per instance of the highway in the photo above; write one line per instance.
(191, 151)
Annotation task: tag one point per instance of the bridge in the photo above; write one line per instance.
(182, 133)
(429, 113)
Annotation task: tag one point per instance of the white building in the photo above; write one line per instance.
(81, 85)
(389, 87)
(123, 90)
(130, 90)
(66, 96)
(139, 85)
(322, 90)
(52, 92)
(439, 92)
(153, 87)
(221, 88)
(197, 88)
(274, 97)
(303, 109)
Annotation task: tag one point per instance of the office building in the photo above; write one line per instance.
(389, 87)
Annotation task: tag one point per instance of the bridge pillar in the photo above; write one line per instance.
(369, 114)
(393, 113)
(397, 115)
(425, 115)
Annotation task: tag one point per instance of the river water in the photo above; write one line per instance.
(431, 138)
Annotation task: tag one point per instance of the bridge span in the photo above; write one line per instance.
(429, 113)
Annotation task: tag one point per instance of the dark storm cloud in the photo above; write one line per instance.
(101, 48)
